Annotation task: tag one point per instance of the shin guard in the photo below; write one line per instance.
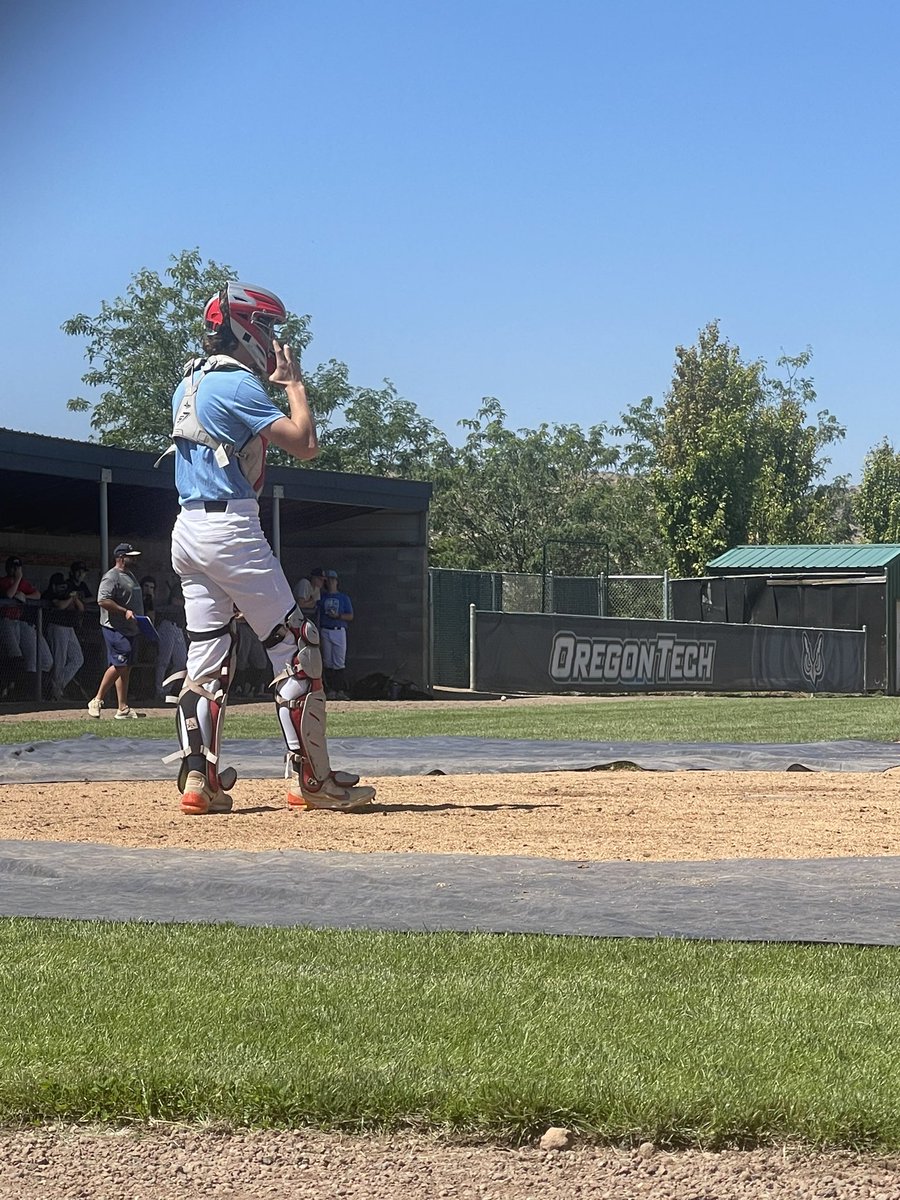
(200, 713)
(300, 705)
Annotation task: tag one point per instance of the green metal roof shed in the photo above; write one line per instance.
(798, 559)
(842, 561)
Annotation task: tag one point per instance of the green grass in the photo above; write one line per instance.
(683, 1042)
(648, 719)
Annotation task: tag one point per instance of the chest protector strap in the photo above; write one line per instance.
(250, 458)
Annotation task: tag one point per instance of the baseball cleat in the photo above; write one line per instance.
(197, 800)
(331, 796)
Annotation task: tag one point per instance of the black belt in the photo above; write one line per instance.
(216, 505)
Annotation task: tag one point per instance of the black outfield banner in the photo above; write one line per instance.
(550, 652)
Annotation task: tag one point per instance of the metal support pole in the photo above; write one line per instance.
(429, 683)
(105, 480)
(472, 648)
(38, 673)
(603, 593)
(665, 604)
(277, 497)
(865, 657)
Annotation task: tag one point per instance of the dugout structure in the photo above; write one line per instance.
(817, 587)
(66, 500)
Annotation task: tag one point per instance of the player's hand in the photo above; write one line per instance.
(287, 369)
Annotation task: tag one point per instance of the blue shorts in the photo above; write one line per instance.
(119, 647)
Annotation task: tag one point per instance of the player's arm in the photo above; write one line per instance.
(297, 433)
(114, 607)
(106, 599)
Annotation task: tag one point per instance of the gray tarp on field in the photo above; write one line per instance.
(823, 900)
(102, 759)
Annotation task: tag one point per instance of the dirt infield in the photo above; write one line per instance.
(596, 815)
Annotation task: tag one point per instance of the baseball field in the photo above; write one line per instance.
(749, 1069)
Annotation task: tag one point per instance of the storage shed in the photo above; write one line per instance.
(848, 586)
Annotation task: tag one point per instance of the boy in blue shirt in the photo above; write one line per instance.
(335, 614)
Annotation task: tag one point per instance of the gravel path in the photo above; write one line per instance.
(77, 1165)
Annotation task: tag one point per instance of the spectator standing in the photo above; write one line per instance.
(308, 591)
(335, 612)
(64, 610)
(171, 654)
(120, 601)
(77, 582)
(18, 637)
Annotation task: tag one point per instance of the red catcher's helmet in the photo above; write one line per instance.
(250, 314)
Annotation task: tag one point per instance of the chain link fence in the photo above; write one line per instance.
(452, 592)
(644, 596)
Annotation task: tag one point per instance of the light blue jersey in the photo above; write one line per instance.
(233, 407)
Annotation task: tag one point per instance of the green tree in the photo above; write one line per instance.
(383, 434)
(706, 461)
(732, 457)
(791, 503)
(877, 503)
(508, 492)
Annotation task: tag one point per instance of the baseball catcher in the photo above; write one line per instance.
(223, 421)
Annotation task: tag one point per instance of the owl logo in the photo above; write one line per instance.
(813, 658)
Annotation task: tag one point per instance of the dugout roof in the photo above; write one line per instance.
(51, 484)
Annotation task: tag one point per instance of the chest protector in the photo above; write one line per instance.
(251, 458)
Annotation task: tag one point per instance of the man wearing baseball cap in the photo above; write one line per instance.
(121, 600)
(308, 591)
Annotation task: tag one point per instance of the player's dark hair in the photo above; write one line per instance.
(219, 342)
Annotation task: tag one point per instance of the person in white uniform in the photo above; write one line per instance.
(223, 421)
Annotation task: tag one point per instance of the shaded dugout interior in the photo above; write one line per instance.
(844, 586)
(65, 500)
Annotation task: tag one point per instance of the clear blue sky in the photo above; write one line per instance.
(486, 197)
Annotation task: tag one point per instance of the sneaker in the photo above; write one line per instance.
(126, 714)
(331, 796)
(94, 707)
(197, 800)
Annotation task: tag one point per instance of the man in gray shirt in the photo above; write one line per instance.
(120, 600)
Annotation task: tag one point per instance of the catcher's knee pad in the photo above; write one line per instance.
(299, 698)
(201, 709)
(293, 647)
